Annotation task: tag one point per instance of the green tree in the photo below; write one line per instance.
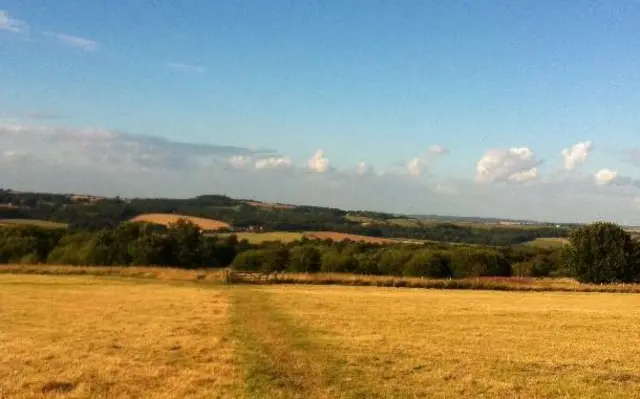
(603, 253)
(427, 264)
(304, 259)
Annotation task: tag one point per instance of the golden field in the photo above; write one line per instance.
(191, 336)
(167, 218)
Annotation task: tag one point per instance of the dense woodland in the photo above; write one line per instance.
(108, 213)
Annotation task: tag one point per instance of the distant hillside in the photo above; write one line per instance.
(86, 212)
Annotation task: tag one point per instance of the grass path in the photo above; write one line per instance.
(280, 359)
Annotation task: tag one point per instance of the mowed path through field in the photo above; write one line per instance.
(98, 337)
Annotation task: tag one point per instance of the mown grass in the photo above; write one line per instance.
(87, 337)
(91, 336)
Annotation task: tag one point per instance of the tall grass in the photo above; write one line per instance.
(477, 283)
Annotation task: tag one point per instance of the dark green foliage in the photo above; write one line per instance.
(475, 262)
(603, 253)
(428, 264)
(264, 261)
(336, 262)
(305, 259)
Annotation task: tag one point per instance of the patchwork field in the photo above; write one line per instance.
(80, 337)
(166, 218)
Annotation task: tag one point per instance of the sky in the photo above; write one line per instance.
(513, 109)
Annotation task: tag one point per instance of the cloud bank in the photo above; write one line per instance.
(110, 162)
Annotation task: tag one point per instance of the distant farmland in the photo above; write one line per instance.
(33, 222)
(167, 218)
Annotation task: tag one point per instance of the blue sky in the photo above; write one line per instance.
(365, 81)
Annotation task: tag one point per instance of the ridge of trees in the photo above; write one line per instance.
(108, 213)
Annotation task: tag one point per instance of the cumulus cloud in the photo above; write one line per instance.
(363, 168)
(437, 149)
(74, 41)
(577, 154)
(318, 162)
(273, 163)
(514, 164)
(11, 24)
(416, 166)
(525, 176)
(605, 176)
(181, 66)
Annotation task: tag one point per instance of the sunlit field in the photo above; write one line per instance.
(89, 336)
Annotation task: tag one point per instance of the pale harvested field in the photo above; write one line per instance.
(323, 235)
(89, 337)
(284, 237)
(166, 218)
(104, 337)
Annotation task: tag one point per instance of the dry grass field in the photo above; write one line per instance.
(259, 238)
(87, 336)
(323, 235)
(166, 218)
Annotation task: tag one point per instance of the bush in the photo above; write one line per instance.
(603, 253)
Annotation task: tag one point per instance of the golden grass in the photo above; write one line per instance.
(167, 218)
(386, 343)
(323, 235)
(259, 238)
(33, 222)
(87, 337)
(92, 337)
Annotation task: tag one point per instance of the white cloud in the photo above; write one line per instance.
(240, 161)
(577, 154)
(363, 168)
(181, 66)
(274, 163)
(74, 41)
(318, 162)
(515, 164)
(525, 176)
(437, 149)
(11, 24)
(605, 176)
(415, 166)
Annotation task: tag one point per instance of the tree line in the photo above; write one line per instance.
(184, 245)
(109, 213)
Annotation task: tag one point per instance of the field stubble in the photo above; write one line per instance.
(87, 336)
